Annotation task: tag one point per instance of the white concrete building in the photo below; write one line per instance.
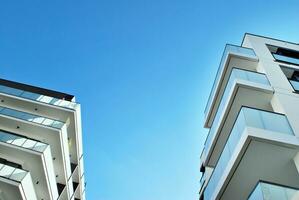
(41, 153)
(252, 148)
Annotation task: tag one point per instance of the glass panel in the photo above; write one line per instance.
(28, 117)
(8, 138)
(38, 120)
(267, 191)
(241, 74)
(253, 118)
(257, 194)
(55, 101)
(257, 78)
(46, 99)
(40, 147)
(64, 103)
(292, 194)
(273, 192)
(10, 112)
(48, 122)
(2, 88)
(295, 85)
(29, 144)
(278, 123)
(57, 124)
(19, 141)
(11, 91)
(6, 171)
(18, 175)
(30, 95)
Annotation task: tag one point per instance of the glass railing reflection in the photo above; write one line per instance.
(267, 191)
(235, 74)
(247, 117)
(229, 49)
(22, 141)
(38, 97)
(12, 173)
(31, 117)
(295, 85)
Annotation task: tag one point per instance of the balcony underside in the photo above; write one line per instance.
(260, 155)
(242, 94)
(9, 191)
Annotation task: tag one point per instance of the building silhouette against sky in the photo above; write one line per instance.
(41, 156)
(252, 148)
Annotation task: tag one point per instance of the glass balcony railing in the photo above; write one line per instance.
(235, 74)
(286, 59)
(202, 179)
(12, 173)
(247, 117)
(267, 191)
(22, 141)
(38, 97)
(295, 85)
(229, 49)
(31, 118)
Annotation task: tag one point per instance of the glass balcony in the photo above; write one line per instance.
(12, 173)
(22, 141)
(229, 49)
(202, 179)
(38, 97)
(286, 59)
(31, 118)
(247, 117)
(267, 191)
(235, 74)
(295, 85)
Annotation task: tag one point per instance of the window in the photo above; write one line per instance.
(292, 75)
(284, 55)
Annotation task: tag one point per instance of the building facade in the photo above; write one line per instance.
(252, 148)
(41, 153)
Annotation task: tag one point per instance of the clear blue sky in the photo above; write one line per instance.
(142, 71)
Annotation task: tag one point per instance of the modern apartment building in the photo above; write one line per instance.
(41, 156)
(252, 148)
